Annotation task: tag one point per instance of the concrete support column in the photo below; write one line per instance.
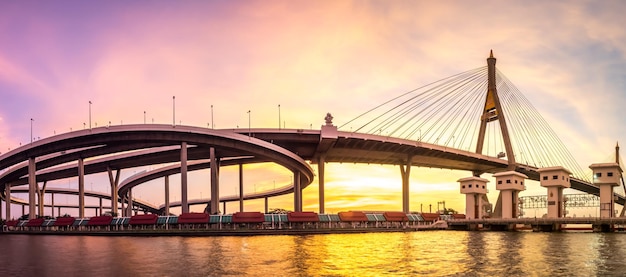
(167, 195)
(122, 207)
(52, 204)
(405, 172)
(7, 193)
(224, 207)
(81, 188)
(59, 211)
(329, 136)
(41, 192)
(32, 188)
(114, 193)
(215, 181)
(321, 182)
(266, 205)
(473, 205)
(183, 178)
(555, 202)
(508, 204)
(24, 210)
(297, 192)
(100, 206)
(241, 187)
(129, 208)
(607, 202)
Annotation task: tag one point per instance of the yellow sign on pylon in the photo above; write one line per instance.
(490, 103)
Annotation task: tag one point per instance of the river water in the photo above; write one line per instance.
(430, 253)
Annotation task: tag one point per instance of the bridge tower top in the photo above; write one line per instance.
(606, 173)
(493, 111)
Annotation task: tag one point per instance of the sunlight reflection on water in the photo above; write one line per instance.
(435, 253)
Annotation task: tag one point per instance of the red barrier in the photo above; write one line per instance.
(302, 217)
(143, 219)
(430, 217)
(193, 218)
(396, 216)
(12, 223)
(458, 216)
(100, 220)
(35, 222)
(248, 217)
(64, 221)
(353, 216)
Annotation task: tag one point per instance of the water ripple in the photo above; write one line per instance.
(436, 253)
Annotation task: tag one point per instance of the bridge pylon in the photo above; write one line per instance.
(493, 111)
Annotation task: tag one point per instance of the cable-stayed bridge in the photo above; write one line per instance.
(475, 121)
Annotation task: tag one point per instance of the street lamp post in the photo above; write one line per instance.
(212, 124)
(278, 116)
(31, 130)
(144, 117)
(89, 115)
(249, 131)
(174, 110)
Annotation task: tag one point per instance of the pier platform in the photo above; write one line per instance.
(538, 224)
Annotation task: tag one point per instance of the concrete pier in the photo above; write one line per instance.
(538, 224)
(606, 176)
(555, 179)
(510, 183)
(474, 189)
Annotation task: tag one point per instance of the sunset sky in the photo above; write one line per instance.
(309, 57)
